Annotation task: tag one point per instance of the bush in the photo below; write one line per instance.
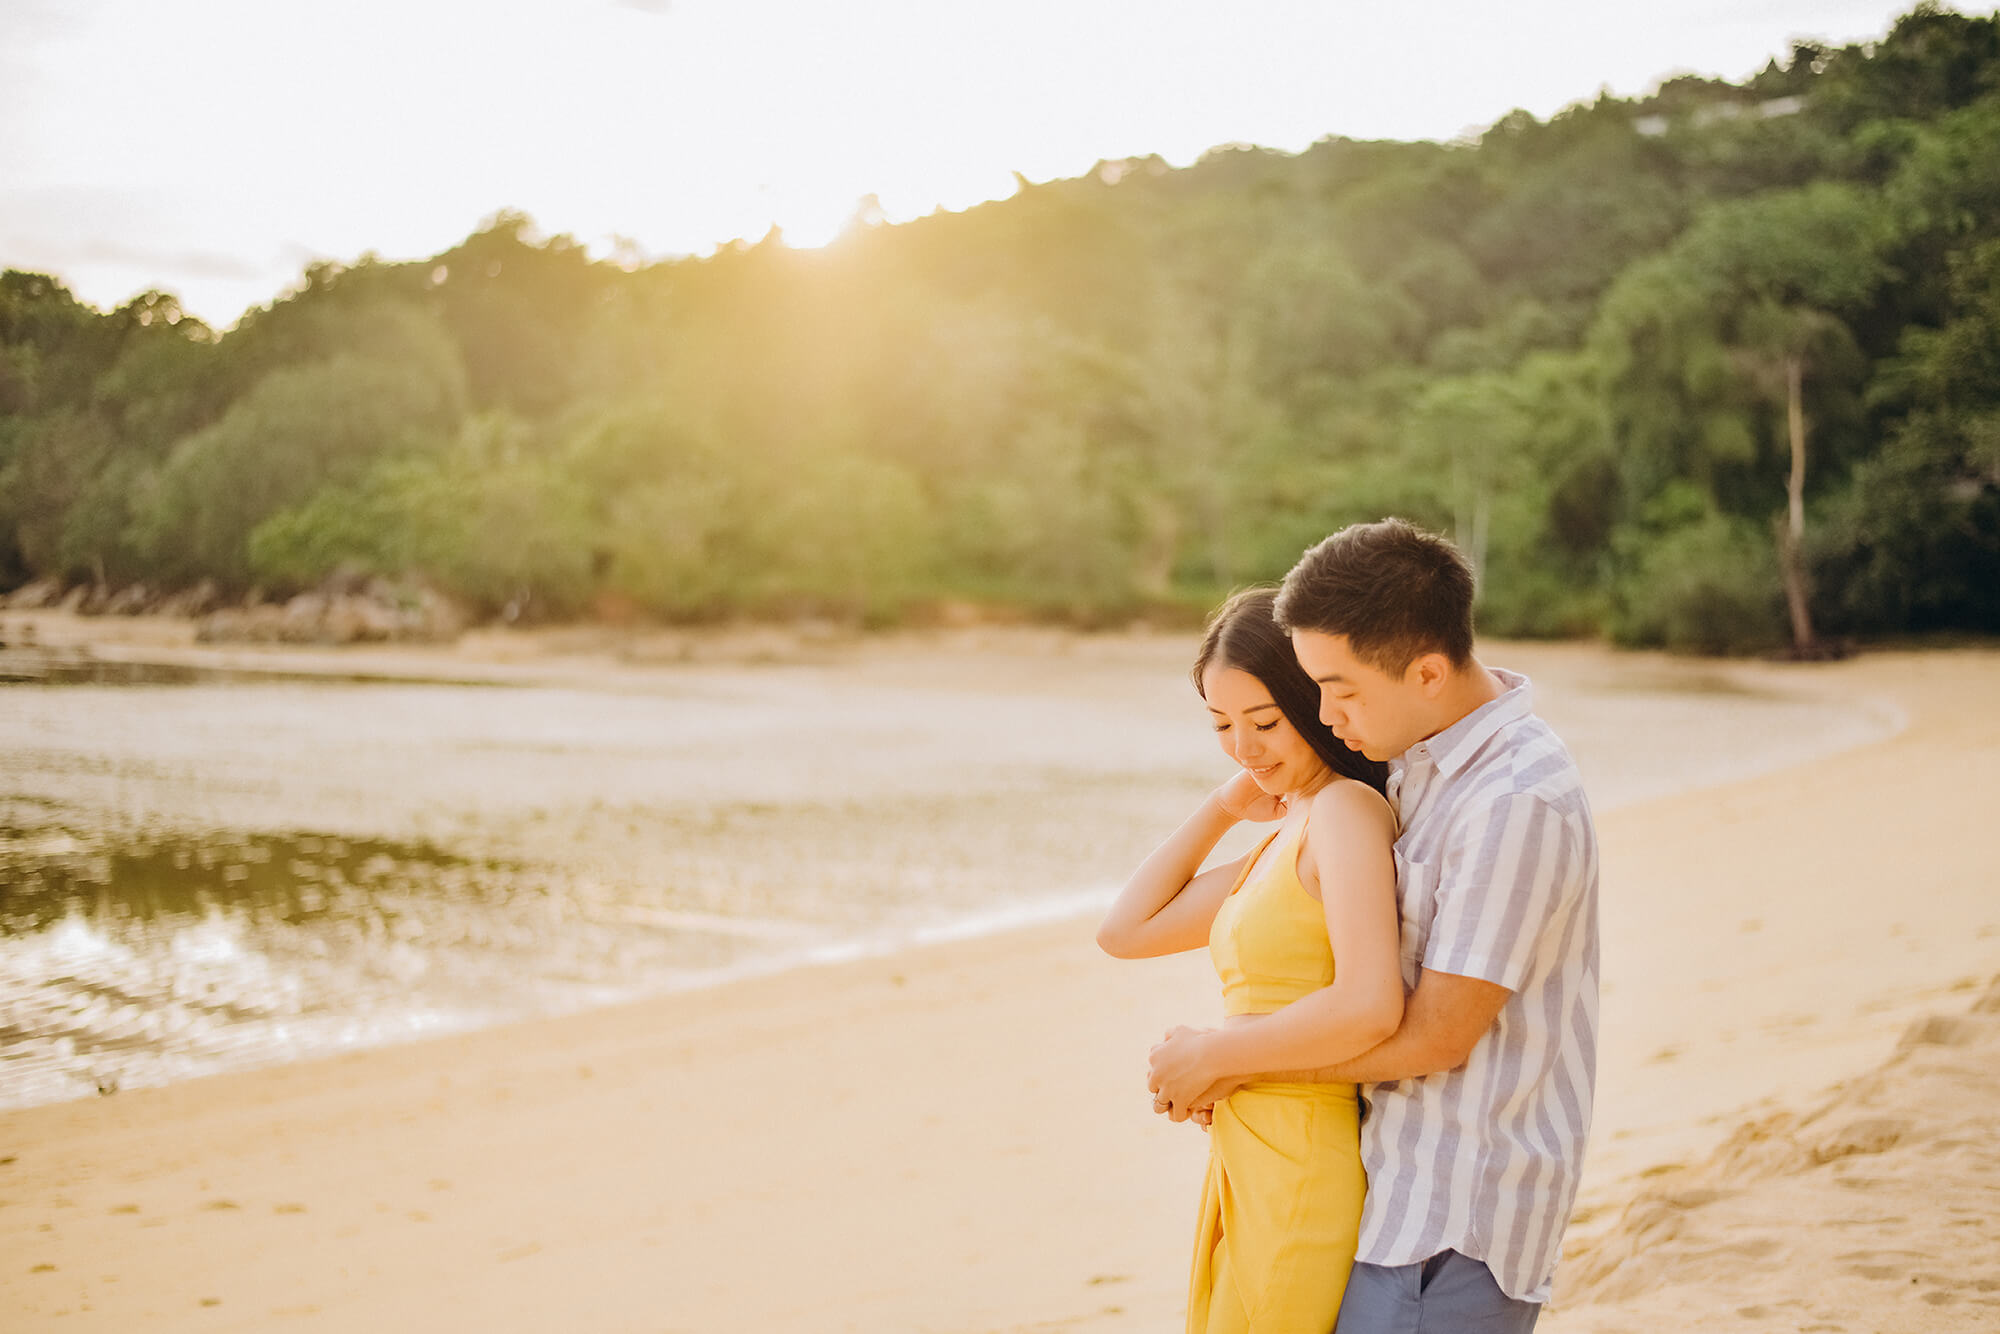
(487, 520)
(1709, 587)
(302, 428)
(848, 534)
(1913, 544)
(1527, 602)
(1046, 528)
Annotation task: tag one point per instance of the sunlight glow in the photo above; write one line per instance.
(811, 232)
(685, 126)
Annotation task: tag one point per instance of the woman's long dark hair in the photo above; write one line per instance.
(1244, 634)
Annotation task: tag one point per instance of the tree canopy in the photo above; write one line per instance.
(1698, 369)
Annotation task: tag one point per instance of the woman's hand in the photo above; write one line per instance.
(1241, 799)
(1178, 1073)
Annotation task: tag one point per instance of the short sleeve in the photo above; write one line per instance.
(1506, 875)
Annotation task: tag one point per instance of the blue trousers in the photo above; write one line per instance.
(1446, 1294)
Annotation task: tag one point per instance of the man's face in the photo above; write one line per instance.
(1376, 713)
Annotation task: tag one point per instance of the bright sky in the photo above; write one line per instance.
(213, 147)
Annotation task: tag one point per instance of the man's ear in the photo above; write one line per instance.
(1432, 673)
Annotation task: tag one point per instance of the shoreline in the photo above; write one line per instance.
(954, 1137)
(1589, 683)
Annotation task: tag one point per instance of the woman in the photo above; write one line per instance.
(1309, 916)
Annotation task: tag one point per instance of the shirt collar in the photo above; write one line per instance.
(1455, 747)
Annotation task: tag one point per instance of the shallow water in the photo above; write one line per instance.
(207, 873)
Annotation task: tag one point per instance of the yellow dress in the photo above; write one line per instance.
(1281, 1209)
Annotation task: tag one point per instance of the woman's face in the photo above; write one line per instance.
(1254, 732)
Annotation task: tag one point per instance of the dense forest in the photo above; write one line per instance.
(1718, 368)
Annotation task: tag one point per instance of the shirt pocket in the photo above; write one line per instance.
(1416, 898)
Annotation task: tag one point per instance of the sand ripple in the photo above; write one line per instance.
(1900, 1165)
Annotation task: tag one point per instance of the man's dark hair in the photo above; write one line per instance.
(1395, 591)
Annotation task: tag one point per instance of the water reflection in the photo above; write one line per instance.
(128, 965)
(50, 874)
(31, 666)
(74, 666)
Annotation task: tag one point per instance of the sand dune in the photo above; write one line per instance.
(1872, 1210)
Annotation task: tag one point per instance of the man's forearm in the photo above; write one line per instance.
(1401, 1057)
(1443, 1019)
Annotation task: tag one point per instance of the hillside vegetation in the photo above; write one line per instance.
(1718, 368)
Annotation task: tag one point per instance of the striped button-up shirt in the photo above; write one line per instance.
(1496, 872)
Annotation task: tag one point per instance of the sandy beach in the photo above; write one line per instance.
(1801, 1042)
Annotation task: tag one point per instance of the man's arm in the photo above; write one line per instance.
(1443, 1020)
(1509, 868)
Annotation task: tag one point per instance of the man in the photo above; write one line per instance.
(1478, 1107)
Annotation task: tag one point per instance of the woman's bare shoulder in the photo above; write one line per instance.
(1346, 804)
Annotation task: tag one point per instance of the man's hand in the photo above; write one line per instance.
(1203, 1111)
(1178, 1073)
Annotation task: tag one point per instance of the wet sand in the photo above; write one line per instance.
(956, 1138)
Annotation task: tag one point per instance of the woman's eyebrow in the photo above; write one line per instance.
(1254, 708)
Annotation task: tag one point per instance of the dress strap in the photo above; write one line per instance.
(1250, 862)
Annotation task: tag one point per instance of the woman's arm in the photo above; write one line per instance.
(1166, 907)
(1350, 844)
(1443, 1020)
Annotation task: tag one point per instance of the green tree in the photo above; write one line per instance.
(51, 465)
(300, 428)
(1703, 343)
(1914, 541)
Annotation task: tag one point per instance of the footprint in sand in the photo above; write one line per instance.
(1902, 1154)
(1875, 1134)
(1941, 1030)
